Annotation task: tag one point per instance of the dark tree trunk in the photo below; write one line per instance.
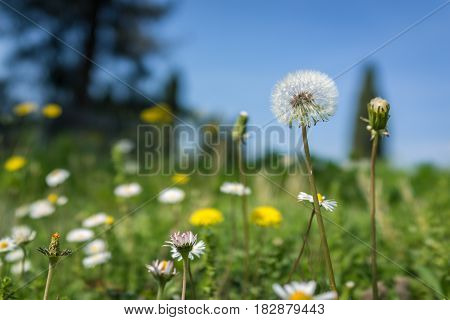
(81, 94)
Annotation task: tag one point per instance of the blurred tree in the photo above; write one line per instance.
(361, 147)
(60, 45)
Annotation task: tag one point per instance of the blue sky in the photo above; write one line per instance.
(231, 54)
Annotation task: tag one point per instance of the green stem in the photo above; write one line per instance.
(302, 249)
(323, 236)
(22, 267)
(191, 279)
(51, 268)
(243, 180)
(160, 293)
(183, 288)
(373, 235)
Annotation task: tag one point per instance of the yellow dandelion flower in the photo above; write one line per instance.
(15, 163)
(160, 113)
(52, 111)
(206, 217)
(180, 178)
(24, 109)
(266, 216)
(53, 198)
(109, 220)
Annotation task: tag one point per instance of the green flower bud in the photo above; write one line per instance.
(240, 127)
(378, 110)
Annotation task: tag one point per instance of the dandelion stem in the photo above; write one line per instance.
(302, 249)
(323, 236)
(373, 235)
(243, 180)
(183, 288)
(51, 268)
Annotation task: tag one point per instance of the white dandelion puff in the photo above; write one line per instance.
(329, 205)
(306, 97)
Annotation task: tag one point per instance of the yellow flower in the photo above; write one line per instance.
(15, 163)
(180, 178)
(52, 111)
(160, 113)
(206, 217)
(109, 220)
(24, 109)
(266, 216)
(52, 197)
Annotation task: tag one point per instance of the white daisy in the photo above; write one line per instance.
(235, 188)
(41, 208)
(16, 268)
(304, 96)
(128, 190)
(95, 220)
(124, 145)
(7, 244)
(80, 235)
(62, 200)
(329, 205)
(94, 247)
(22, 211)
(301, 291)
(57, 177)
(22, 234)
(171, 196)
(14, 255)
(96, 259)
(162, 270)
(184, 244)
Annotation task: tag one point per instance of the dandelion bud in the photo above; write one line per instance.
(378, 110)
(240, 127)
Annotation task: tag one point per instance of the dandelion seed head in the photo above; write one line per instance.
(306, 97)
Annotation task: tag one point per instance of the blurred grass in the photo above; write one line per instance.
(413, 218)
